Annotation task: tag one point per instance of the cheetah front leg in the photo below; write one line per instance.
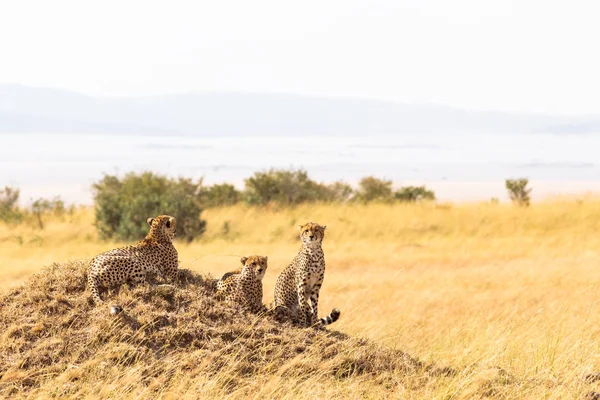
(314, 301)
(171, 276)
(257, 307)
(93, 285)
(163, 288)
(155, 270)
(304, 316)
(158, 273)
(134, 280)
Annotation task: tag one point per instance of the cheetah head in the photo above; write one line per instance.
(163, 226)
(312, 234)
(257, 265)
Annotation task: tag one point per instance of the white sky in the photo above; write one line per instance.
(526, 55)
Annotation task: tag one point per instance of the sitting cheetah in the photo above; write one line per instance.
(301, 280)
(130, 264)
(244, 286)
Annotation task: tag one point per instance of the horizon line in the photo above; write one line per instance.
(299, 96)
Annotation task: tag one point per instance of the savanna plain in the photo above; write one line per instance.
(438, 301)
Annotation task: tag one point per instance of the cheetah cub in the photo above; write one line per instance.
(130, 264)
(302, 280)
(244, 286)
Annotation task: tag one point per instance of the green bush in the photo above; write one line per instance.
(374, 189)
(219, 195)
(9, 211)
(338, 192)
(518, 191)
(41, 207)
(124, 205)
(289, 187)
(414, 194)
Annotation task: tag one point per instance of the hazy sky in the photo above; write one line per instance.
(526, 55)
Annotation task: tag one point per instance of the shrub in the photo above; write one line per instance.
(43, 206)
(414, 194)
(9, 212)
(123, 206)
(219, 195)
(289, 187)
(336, 192)
(374, 189)
(518, 191)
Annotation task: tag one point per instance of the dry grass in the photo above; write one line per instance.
(508, 297)
(55, 343)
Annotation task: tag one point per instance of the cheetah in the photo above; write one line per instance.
(244, 286)
(130, 264)
(301, 280)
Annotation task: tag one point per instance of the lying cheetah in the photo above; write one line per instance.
(130, 264)
(244, 286)
(301, 280)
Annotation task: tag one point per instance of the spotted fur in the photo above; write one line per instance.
(302, 280)
(244, 286)
(130, 264)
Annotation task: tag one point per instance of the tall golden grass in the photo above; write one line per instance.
(507, 296)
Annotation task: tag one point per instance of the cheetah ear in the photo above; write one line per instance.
(266, 258)
(324, 227)
(149, 221)
(299, 227)
(243, 260)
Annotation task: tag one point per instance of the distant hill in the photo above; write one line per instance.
(27, 109)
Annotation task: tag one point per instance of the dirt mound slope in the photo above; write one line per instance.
(55, 343)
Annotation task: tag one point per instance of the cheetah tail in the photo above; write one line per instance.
(331, 318)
